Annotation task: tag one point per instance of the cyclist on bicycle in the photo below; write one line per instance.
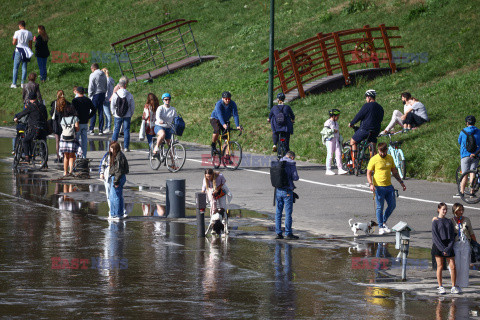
(281, 119)
(224, 109)
(164, 118)
(37, 122)
(371, 116)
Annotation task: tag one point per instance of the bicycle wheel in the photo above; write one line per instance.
(154, 159)
(18, 153)
(458, 174)
(401, 164)
(217, 156)
(282, 146)
(471, 193)
(40, 155)
(176, 156)
(232, 155)
(347, 158)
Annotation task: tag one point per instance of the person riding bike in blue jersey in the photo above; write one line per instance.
(224, 109)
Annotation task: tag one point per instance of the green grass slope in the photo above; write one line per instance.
(237, 32)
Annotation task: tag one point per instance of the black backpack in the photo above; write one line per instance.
(470, 143)
(280, 117)
(278, 174)
(121, 106)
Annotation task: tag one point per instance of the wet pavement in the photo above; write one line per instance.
(60, 257)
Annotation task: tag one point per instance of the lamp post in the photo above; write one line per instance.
(270, 59)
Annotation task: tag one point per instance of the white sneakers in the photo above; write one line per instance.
(454, 290)
(106, 131)
(381, 231)
(384, 230)
(329, 173)
(13, 86)
(341, 171)
(441, 290)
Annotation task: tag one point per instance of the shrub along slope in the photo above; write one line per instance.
(237, 32)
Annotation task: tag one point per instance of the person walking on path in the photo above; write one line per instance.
(443, 237)
(468, 158)
(281, 119)
(41, 51)
(214, 185)
(106, 103)
(31, 86)
(117, 173)
(68, 141)
(22, 40)
(371, 116)
(332, 140)
(284, 198)
(85, 110)
(225, 108)
(149, 116)
(122, 101)
(379, 171)
(97, 88)
(57, 109)
(461, 247)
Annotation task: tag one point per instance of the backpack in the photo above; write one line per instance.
(178, 125)
(280, 117)
(278, 174)
(121, 106)
(68, 130)
(470, 143)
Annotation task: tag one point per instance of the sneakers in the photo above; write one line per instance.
(291, 237)
(91, 133)
(155, 150)
(13, 86)
(441, 290)
(274, 148)
(457, 195)
(454, 290)
(381, 231)
(100, 133)
(279, 236)
(341, 171)
(329, 173)
(126, 150)
(386, 228)
(22, 85)
(106, 131)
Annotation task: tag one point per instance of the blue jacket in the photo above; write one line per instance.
(462, 140)
(223, 112)
(291, 169)
(289, 118)
(371, 116)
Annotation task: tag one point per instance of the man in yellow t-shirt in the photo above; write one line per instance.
(379, 171)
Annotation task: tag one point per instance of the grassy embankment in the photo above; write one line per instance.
(237, 32)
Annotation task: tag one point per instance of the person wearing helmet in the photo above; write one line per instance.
(331, 139)
(224, 109)
(371, 116)
(281, 119)
(163, 121)
(468, 151)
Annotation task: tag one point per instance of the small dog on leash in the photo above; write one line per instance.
(218, 222)
(365, 227)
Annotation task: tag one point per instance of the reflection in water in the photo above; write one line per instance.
(153, 210)
(284, 295)
(113, 260)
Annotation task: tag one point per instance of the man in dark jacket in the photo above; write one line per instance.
(288, 120)
(284, 197)
(85, 110)
(37, 122)
(371, 116)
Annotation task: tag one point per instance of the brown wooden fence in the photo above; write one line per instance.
(324, 54)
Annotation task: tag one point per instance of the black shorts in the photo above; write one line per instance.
(217, 126)
(361, 135)
(438, 253)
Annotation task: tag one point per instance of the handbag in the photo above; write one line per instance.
(218, 194)
(141, 134)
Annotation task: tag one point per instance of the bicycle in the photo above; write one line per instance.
(39, 157)
(227, 152)
(172, 155)
(471, 193)
(359, 164)
(282, 145)
(394, 149)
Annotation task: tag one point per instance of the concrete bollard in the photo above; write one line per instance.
(200, 204)
(175, 198)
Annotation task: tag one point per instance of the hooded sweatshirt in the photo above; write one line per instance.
(122, 93)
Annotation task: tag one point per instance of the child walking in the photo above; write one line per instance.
(443, 237)
(331, 139)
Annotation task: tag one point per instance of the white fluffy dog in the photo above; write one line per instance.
(218, 222)
(365, 227)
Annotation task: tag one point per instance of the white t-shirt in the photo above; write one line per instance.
(166, 115)
(23, 36)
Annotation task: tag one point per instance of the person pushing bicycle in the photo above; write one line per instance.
(37, 122)
(281, 119)
(371, 116)
(225, 108)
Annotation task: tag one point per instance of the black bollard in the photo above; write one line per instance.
(175, 198)
(201, 204)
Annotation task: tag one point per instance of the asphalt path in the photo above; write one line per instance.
(326, 202)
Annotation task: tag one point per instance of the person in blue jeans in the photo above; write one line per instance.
(85, 110)
(118, 169)
(22, 40)
(121, 94)
(106, 103)
(284, 198)
(379, 171)
(41, 51)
